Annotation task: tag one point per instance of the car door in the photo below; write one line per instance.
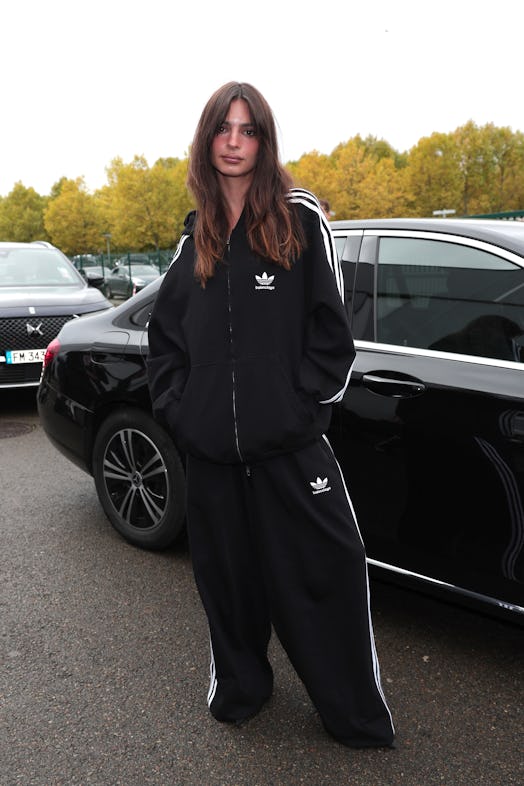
(120, 282)
(431, 430)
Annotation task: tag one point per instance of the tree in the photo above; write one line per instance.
(22, 215)
(471, 166)
(72, 219)
(379, 149)
(434, 175)
(502, 162)
(314, 171)
(352, 163)
(512, 181)
(147, 206)
(384, 192)
(57, 187)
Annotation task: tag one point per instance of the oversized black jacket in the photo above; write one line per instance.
(249, 366)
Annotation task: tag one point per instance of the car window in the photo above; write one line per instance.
(142, 315)
(35, 267)
(348, 247)
(448, 296)
(147, 270)
(340, 241)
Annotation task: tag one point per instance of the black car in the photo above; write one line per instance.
(95, 276)
(92, 269)
(40, 290)
(430, 434)
(134, 259)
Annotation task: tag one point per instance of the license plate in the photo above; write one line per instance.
(24, 355)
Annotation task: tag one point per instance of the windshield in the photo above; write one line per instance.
(143, 270)
(30, 267)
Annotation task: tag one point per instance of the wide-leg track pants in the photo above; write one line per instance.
(277, 544)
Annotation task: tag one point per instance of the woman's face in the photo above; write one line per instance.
(235, 145)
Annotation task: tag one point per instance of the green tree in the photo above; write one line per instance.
(72, 219)
(379, 149)
(314, 171)
(147, 206)
(434, 176)
(57, 187)
(502, 158)
(182, 200)
(384, 192)
(471, 167)
(22, 215)
(512, 181)
(353, 164)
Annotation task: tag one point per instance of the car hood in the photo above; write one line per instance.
(38, 300)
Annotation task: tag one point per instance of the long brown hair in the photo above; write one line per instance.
(273, 228)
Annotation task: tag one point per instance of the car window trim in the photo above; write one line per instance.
(482, 245)
(399, 349)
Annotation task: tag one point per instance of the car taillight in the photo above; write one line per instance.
(51, 351)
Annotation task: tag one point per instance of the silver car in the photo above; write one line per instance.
(40, 290)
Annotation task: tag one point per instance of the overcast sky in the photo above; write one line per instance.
(84, 82)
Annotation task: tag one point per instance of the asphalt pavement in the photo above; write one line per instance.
(104, 662)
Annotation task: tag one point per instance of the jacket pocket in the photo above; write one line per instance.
(201, 421)
(271, 415)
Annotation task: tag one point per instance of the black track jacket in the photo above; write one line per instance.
(249, 366)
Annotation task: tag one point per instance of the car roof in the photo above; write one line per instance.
(32, 244)
(509, 234)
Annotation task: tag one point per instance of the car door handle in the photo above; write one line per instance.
(394, 387)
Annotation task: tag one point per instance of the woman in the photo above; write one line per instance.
(249, 346)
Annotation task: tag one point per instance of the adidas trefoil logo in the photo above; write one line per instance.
(264, 281)
(319, 486)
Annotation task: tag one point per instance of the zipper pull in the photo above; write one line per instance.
(248, 470)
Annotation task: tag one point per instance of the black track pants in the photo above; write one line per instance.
(277, 544)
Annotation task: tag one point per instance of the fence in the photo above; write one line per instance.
(160, 259)
(510, 215)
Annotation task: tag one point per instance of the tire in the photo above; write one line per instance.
(140, 479)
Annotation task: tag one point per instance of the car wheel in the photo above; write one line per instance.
(139, 479)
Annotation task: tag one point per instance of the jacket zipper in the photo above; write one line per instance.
(233, 380)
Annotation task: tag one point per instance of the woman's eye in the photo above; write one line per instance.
(250, 132)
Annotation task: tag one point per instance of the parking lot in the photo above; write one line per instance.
(104, 662)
